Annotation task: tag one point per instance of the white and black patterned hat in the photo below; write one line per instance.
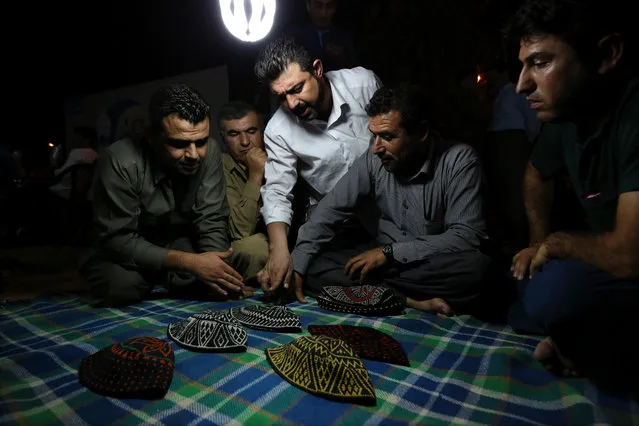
(268, 318)
(209, 331)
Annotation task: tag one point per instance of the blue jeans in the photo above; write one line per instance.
(591, 315)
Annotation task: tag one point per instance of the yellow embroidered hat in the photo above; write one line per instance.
(325, 367)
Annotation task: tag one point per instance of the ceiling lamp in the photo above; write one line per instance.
(248, 20)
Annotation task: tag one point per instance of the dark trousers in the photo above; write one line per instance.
(457, 278)
(112, 284)
(592, 316)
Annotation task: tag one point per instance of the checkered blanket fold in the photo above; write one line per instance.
(462, 372)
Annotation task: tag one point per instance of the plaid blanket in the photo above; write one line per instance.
(462, 372)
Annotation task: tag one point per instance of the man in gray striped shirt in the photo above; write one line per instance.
(427, 246)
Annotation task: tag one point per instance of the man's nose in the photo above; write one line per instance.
(191, 152)
(292, 102)
(244, 139)
(378, 147)
(525, 84)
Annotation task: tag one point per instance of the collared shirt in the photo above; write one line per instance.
(243, 198)
(438, 210)
(321, 152)
(601, 165)
(139, 210)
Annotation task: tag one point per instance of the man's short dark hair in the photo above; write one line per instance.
(278, 55)
(235, 110)
(580, 23)
(409, 100)
(178, 99)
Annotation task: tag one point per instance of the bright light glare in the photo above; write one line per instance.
(248, 28)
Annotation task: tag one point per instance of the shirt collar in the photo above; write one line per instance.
(339, 109)
(433, 152)
(340, 106)
(234, 165)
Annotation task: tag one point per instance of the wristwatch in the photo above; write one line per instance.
(388, 253)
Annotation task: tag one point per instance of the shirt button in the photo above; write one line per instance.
(405, 205)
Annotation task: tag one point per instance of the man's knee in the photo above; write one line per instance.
(255, 248)
(559, 290)
(112, 285)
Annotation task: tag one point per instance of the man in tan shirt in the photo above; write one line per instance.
(241, 130)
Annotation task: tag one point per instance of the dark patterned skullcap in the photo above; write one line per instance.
(367, 342)
(140, 368)
(325, 367)
(268, 318)
(209, 331)
(364, 300)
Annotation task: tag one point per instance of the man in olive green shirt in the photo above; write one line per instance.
(241, 130)
(581, 291)
(161, 212)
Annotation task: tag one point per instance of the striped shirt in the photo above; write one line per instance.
(438, 210)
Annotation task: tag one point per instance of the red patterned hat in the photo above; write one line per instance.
(140, 368)
(367, 342)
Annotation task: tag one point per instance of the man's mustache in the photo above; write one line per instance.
(299, 109)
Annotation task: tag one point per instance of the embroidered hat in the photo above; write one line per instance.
(268, 318)
(365, 300)
(140, 368)
(325, 367)
(209, 331)
(366, 342)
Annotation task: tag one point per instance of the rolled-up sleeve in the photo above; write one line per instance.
(117, 208)
(211, 209)
(463, 220)
(280, 173)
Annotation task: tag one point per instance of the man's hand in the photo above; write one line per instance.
(367, 261)
(298, 282)
(522, 260)
(211, 268)
(540, 258)
(255, 160)
(278, 270)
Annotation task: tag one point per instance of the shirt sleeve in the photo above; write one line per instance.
(280, 173)
(463, 220)
(339, 204)
(547, 155)
(211, 210)
(117, 208)
(628, 156)
(243, 198)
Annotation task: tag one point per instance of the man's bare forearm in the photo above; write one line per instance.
(538, 198)
(600, 250)
(278, 235)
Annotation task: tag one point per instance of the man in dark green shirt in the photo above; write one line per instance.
(581, 290)
(161, 211)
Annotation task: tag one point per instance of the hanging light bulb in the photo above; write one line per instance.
(247, 27)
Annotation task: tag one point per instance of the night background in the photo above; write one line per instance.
(61, 50)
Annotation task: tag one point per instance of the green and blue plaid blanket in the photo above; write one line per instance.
(462, 372)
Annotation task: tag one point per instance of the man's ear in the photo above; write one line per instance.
(426, 131)
(318, 69)
(610, 52)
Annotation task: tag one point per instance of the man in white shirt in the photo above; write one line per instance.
(320, 129)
